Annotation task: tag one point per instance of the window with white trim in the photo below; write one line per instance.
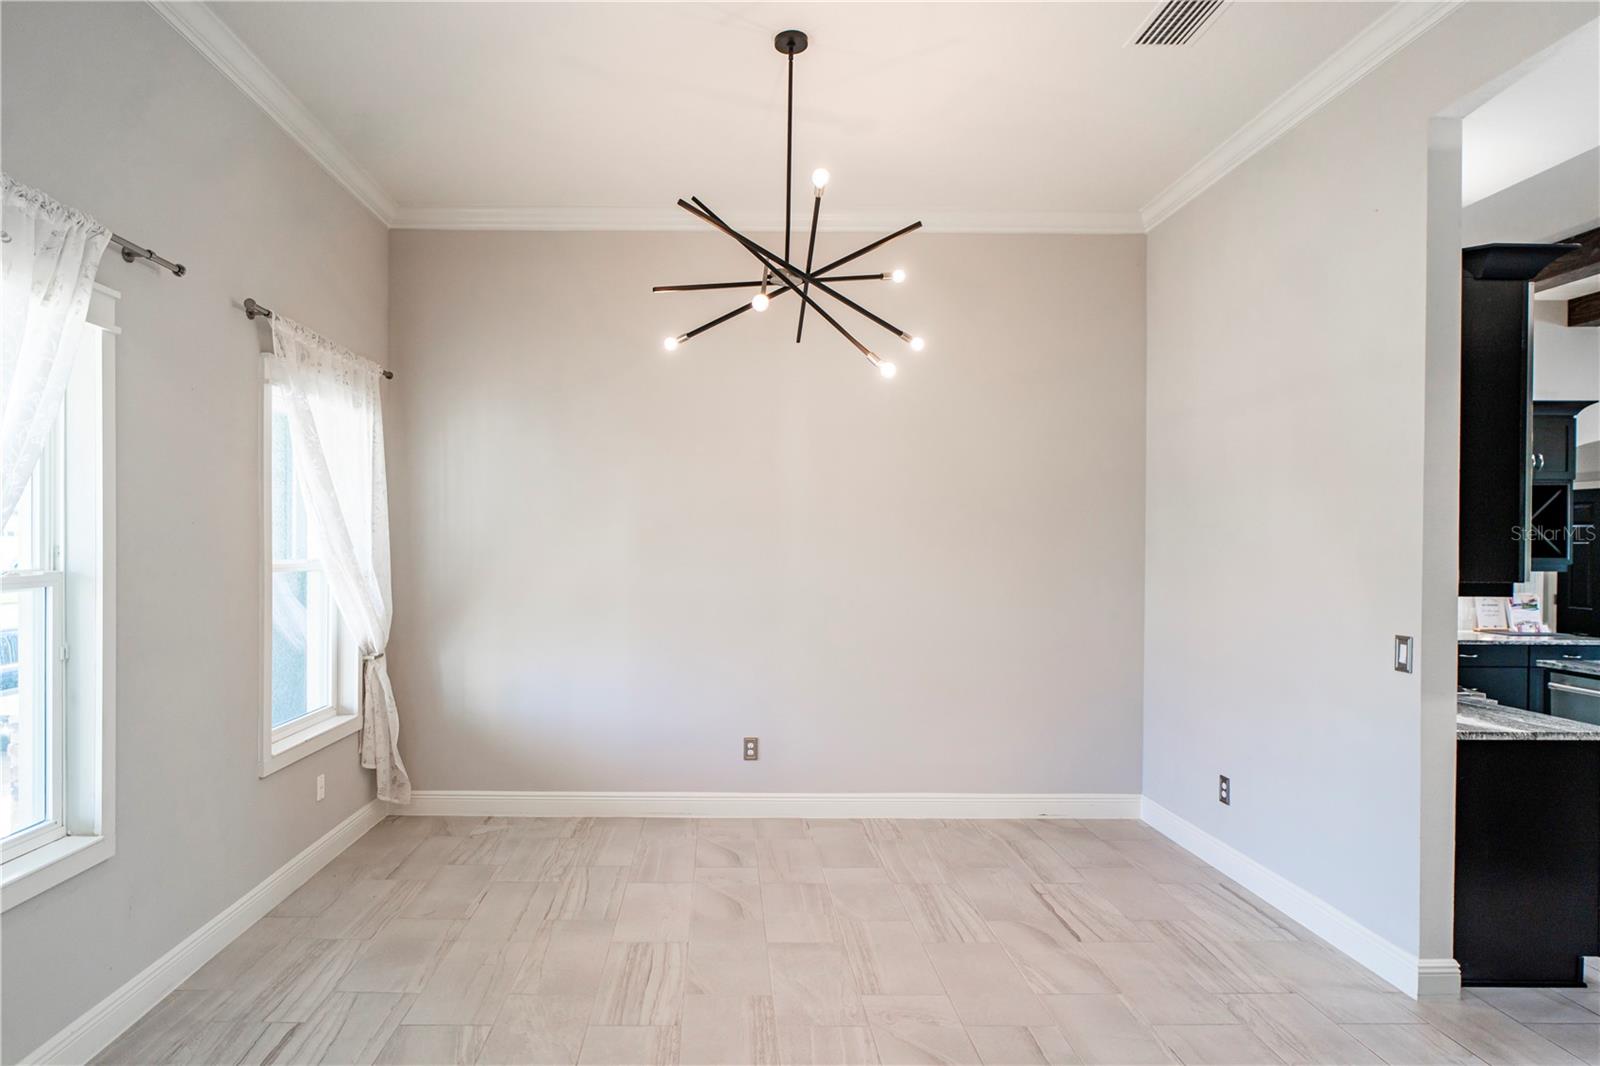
(309, 675)
(57, 636)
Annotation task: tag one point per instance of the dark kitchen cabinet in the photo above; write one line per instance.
(1555, 465)
(1578, 587)
(1505, 672)
(1497, 454)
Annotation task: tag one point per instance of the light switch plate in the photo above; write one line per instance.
(1402, 654)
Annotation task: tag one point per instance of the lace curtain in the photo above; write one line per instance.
(336, 426)
(48, 257)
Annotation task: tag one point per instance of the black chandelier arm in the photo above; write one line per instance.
(879, 243)
(811, 249)
(768, 259)
(736, 312)
(842, 298)
(710, 285)
(816, 276)
(756, 250)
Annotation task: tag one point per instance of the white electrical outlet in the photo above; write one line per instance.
(322, 787)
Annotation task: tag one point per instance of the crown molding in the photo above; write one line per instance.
(1392, 31)
(212, 38)
(673, 219)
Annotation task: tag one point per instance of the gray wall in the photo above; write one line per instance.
(611, 563)
(1300, 414)
(108, 109)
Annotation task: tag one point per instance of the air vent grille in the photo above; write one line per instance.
(1178, 21)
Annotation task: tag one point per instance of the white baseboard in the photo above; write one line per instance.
(96, 1028)
(773, 804)
(1408, 973)
(1591, 971)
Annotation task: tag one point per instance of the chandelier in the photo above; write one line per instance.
(780, 275)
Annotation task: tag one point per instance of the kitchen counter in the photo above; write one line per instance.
(1483, 719)
(1530, 639)
(1587, 667)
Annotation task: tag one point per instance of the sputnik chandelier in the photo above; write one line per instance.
(780, 275)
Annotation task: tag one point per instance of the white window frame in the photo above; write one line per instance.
(83, 750)
(284, 745)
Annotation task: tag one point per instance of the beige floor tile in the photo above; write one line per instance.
(791, 859)
(318, 893)
(1581, 1039)
(653, 911)
(434, 1045)
(773, 828)
(942, 914)
(1296, 1031)
(1050, 959)
(234, 961)
(509, 910)
(724, 851)
(452, 892)
(844, 846)
(1536, 1005)
(520, 856)
(796, 913)
(985, 986)
(728, 1031)
(1037, 861)
(589, 893)
(362, 909)
(917, 1030)
(426, 859)
(1000, 894)
(1410, 1045)
(1136, 894)
(1079, 847)
(812, 983)
(565, 958)
(537, 1029)
(398, 958)
(1222, 1045)
(470, 981)
(665, 858)
(159, 1034)
(1016, 1046)
(825, 1045)
(1102, 1029)
(1215, 963)
(1089, 915)
(725, 895)
(1153, 979)
(1229, 912)
(1491, 1035)
(349, 1028)
(630, 1045)
(732, 967)
(609, 842)
(661, 828)
(888, 958)
(909, 861)
(727, 828)
(865, 894)
(642, 985)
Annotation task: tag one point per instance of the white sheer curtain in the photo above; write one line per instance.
(336, 425)
(48, 255)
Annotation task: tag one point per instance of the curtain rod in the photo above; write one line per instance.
(253, 310)
(132, 252)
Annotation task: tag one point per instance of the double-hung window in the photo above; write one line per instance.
(56, 637)
(309, 674)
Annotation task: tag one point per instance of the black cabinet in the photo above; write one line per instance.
(1497, 454)
(1505, 672)
(1555, 465)
(1578, 587)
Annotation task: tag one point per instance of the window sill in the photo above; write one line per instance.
(297, 746)
(44, 868)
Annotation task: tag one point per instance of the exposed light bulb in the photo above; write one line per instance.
(917, 344)
(670, 344)
(819, 177)
(759, 302)
(888, 370)
(898, 276)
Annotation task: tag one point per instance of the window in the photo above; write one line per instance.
(308, 671)
(32, 676)
(56, 639)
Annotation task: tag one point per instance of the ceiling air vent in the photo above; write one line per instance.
(1179, 21)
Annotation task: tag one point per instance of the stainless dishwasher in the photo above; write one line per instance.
(1575, 696)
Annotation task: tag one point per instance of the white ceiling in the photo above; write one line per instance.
(1542, 119)
(998, 112)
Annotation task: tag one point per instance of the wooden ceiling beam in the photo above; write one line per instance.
(1584, 310)
(1574, 266)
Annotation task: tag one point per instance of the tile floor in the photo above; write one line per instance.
(472, 940)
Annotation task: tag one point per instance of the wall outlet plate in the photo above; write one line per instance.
(1402, 654)
(322, 787)
(1224, 791)
(752, 749)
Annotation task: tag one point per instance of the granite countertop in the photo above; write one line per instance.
(1587, 667)
(1523, 638)
(1480, 718)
